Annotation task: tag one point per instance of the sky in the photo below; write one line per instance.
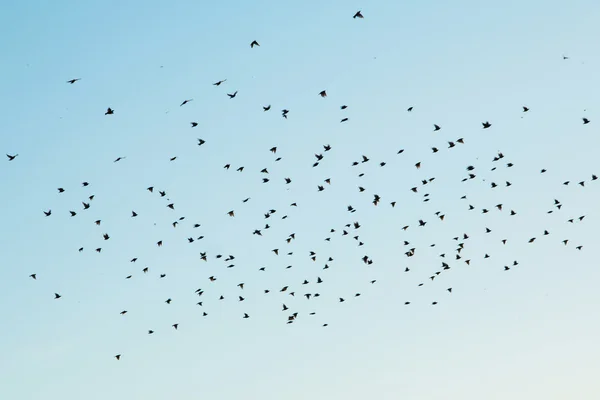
(529, 332)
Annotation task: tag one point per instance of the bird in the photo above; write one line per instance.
(358, 15)
(218, 83)
(323, 93)
(109, 111)
(57, 296)
(486, 125)
(254, 43)
(72, 81)
(11, 157)
(232, 95)
(585, 121)
(185, 102)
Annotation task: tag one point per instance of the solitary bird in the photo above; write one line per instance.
(109, 111)
(358, 15)
(254, 43)
(72, 81)
(11, 157)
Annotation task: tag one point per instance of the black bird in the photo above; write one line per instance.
(11, 157)
(109, 111)
(358, 15)
(72, 81)
(254, 43)
(232, 95)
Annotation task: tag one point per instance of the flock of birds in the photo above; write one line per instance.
(310, 288)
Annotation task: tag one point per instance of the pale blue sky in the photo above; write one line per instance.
(527, 333)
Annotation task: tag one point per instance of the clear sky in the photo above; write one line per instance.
(530, 332)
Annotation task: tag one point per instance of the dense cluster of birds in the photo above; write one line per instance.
(310, 287)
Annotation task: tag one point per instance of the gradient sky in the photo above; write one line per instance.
(527, 333)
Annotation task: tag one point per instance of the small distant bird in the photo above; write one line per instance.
(525, 109)
(33, 276)
(194, 124)
(254, 43)
(48, 213)
(11, 157)
(185, 102)
(232, 95)
(119, 159)
(267, 108)
(118, 357)
(585, 121)
(344, 120)
(486, 124)
(436, 127)
(72, 81)
(323, 93)
(358, 15)
(219, 82)
(57, 296)
(109, 111)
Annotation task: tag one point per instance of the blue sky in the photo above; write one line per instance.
(525, 333)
